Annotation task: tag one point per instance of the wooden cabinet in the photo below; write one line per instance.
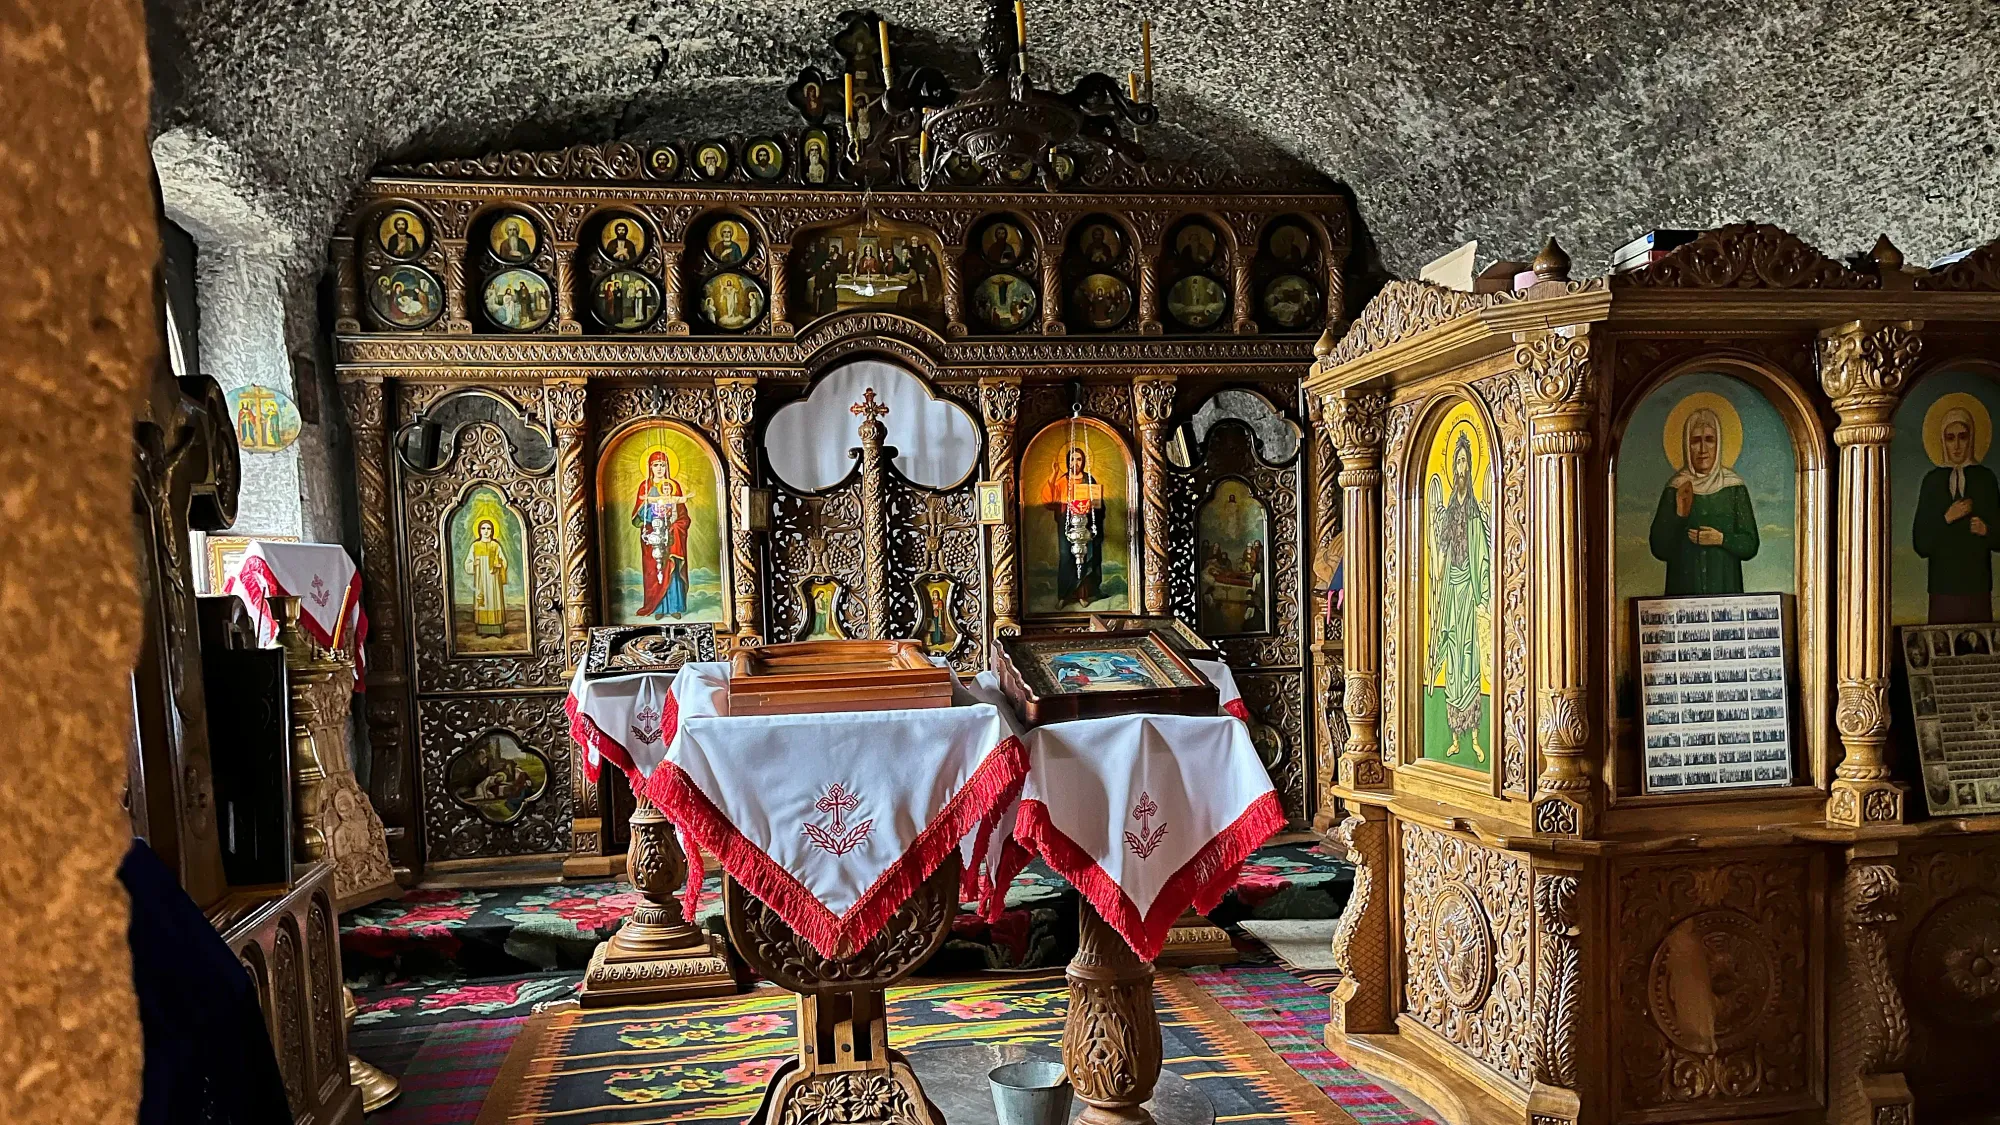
(1563, 913)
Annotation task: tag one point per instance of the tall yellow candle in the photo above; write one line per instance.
(882, 26)
(1132, 83)
(1146, 53)
(1021, 26)
(850, 104)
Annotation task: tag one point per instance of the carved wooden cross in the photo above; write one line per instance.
(935, 522)
(868, 409)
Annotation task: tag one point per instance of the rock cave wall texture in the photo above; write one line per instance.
(1505, 121)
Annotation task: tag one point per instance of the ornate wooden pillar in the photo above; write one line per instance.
(389, 775)
(1864, 367)
(673, 315)
(1876, 1019)
(1000, 403)
(1149, 292)
(874, 527)
(737, 399)
(1353, 420)
(953, 269)
(1111, 1038)
(1558, 389)
(1152, 406)
(567, 417)
(1052, 295)
(1556, 1007)
(457, 315)
(346, 287)
(1242, 307)
(1364, 1001)
(1324, 630)
(781, 321)
(567, 323)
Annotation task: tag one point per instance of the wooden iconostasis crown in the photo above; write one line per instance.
(562, 372)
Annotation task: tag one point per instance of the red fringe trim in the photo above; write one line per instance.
(257, 595)
(1201, 881)
(671, 790)
(1238, 708)
(973, 881)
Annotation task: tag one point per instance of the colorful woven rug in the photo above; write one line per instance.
(708, 1061)
(445, 1069)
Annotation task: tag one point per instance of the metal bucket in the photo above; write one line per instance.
(1034, 1092)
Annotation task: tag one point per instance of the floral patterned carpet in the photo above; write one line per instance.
(438, 955)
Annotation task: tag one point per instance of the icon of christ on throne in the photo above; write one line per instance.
(660, 512)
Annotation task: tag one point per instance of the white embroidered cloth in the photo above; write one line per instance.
(1146, 815)
(321, 576)
(833, 820)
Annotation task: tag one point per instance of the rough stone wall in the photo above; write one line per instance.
(1839, 119)
(78, 334)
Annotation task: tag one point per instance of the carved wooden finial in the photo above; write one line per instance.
(868, 409)
(1888, 259)
(1552, 264)
(1325, 346)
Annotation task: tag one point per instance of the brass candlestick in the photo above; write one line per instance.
(377, 1087)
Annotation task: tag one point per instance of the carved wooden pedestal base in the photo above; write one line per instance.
(1195, 940)
(656, 955)
(1111, 1041)
(845, 1071)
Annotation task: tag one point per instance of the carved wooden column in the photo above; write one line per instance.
(457, 315)
(567, 323)
(567, 417)
(1243, 309)
(953, 269)
(672, 299)
(1052, 295)
(1556, 1007)
(335, 822)
(1353, 420)
(1328, 670)
(1000, 403)
(1152, 406)
(737, 399)
(1149, 293)
(346, 287)
(1871, 1014)
(389, 774)
(1864, 367)
(1111, 1038)
(657, 954)
(874, 526)
(781, 321)
(1558, 389)
(1364, 1000)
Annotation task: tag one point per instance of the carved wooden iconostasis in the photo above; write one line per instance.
(719, 382)
(1639, 818)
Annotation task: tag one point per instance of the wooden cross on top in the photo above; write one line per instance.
(868, 409)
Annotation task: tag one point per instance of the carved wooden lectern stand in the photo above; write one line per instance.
(657, 954)
(844, 1064)
(1111, 1040)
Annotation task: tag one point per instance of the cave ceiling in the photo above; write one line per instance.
(1446, 120)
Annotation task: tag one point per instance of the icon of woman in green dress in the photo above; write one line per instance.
(1957, 524)
(1705, 528)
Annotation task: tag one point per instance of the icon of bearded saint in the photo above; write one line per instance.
(1460, 597)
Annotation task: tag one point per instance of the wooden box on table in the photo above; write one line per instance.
(1585, 893)
(1056, 677)
(815, 676)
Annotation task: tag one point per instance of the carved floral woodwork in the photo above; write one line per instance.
(336, 822)
(1864, 368)
(565, 402)
(1467, 947)
(736, 400)
(1558, 979)
(448, 725)
(1503, 398)
(1111, 1035)
(657, 955)
(1152, 406)
(1363, 1000)
(1745, 256)
(1714, 959)
(1000, 405)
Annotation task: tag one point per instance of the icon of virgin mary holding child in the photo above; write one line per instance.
(660, 512)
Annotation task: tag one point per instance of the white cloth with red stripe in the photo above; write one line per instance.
(833, 820)
(892, 792)
(324, 579)
(1192, 800)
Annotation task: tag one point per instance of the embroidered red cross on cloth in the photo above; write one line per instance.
(832, 820)
(1145, 815)
(321, 576)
